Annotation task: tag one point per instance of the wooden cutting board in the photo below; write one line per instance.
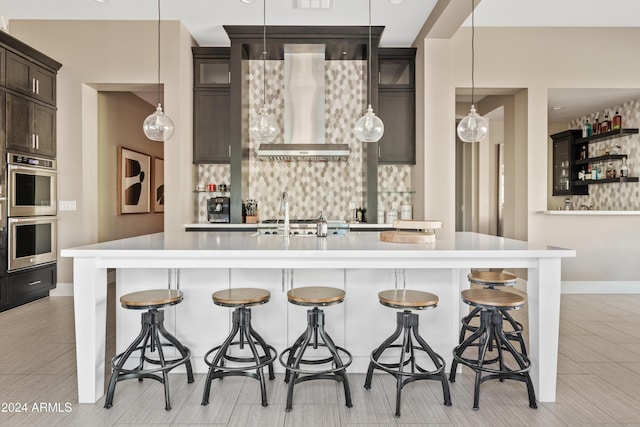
(407, 237)
(411, 231)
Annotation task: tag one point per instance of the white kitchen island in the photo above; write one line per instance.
(200, 263)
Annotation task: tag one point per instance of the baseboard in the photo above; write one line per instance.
(600, 287)
(62, 290)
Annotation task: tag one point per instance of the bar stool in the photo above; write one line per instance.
(315, 296)
(262, 354)
(150, 339)
(407, 327)
(491, 303)
(492, 280)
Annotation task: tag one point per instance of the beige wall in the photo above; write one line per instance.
(94, 53)
(120, 115)
(535, 59)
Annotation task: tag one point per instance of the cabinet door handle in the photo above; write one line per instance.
(37, 87)
(35, 282)
(379, 77)
(37, 142)
(229, 77)
(229, 150)
(379, 151)
(33, 85)
(33, 140)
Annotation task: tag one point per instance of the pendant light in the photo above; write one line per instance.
(369, 128)
(263, 128)
(158, 126)
(473, 128)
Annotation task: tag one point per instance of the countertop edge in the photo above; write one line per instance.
(589, 212)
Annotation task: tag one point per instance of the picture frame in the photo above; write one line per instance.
(158, 184)
(134, 181)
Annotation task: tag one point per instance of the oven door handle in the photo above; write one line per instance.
(35, 282)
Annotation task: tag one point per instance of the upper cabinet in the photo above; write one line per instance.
(28, 82)
(397, 105)
(211, 105)
(30, 79)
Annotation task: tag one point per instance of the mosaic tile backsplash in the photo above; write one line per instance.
(614, 196)
(312, 186)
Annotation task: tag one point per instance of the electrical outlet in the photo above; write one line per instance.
(67, 205)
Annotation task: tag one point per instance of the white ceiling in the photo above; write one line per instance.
(403, 21)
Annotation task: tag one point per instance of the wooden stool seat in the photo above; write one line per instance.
(492, 298)
(407, 299)
(315, 295)
(152, 298)
(237, 297)
(492, 278)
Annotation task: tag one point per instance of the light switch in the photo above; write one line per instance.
(67, 205)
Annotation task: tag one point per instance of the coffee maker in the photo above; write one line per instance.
(218, 210)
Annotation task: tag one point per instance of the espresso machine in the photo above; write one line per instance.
(218, 210)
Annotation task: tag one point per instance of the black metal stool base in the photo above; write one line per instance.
(246, 335)
(490, 331)
(407, 326)
(515, 334)
(149, 339)
(295, 357)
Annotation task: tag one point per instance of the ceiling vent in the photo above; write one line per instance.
(314, 4)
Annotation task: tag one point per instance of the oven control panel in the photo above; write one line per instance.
(19, 159)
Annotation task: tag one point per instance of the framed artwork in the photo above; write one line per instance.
(134, 184)
(158, 184)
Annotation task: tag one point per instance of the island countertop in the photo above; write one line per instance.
(358, 262)
(237, 246)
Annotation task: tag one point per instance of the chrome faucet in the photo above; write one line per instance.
(284, 209)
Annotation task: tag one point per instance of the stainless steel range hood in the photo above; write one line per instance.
(304, 107)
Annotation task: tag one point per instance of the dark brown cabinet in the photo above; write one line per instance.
(29, 285)
(30, 79)
(571, 161)
(211, 105)
(564, 153)
(30, 126)
(396, 105)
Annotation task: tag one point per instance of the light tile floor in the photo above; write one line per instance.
(598, 382)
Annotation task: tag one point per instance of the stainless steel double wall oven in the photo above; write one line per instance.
(31, 207)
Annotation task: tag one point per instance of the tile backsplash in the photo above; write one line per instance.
(313, 186)
(614, 196)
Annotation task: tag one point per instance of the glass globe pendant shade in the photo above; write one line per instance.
(263, 127)
(369, 128)
(158, 126)
(473, 128)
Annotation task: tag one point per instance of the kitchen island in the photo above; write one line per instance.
(200, 263)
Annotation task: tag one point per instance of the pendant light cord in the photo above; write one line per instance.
(158, 51)
(264, 53)
(369, 58)
(473, 36)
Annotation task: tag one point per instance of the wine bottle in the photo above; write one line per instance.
(616, 123)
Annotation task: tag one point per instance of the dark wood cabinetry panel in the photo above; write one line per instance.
(30, 79)
(30, 127)
(396, 105)
(28, 285)
(211, 105)
(211, 117)
(397, 111)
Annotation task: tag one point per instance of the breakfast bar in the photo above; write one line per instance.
(199, 263)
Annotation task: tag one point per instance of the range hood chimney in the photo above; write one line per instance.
(304, 107)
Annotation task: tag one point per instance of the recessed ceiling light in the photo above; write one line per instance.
(248, 1)
(101, 1)
(395, 1)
